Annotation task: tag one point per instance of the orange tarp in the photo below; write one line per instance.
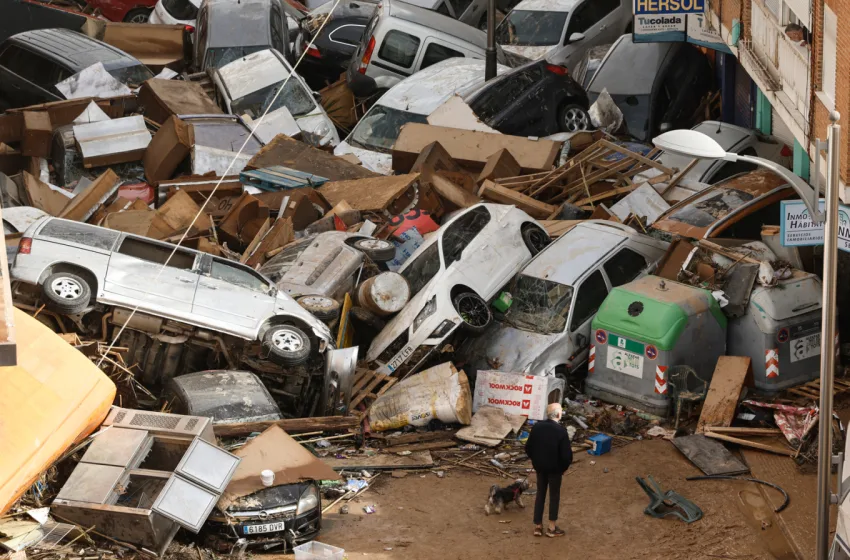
(53, 398)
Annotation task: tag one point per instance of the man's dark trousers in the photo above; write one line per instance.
(552, 481)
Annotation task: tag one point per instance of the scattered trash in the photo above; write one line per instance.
(669, 503)
(369, 509)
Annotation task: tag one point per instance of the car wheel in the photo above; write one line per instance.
(535, 239)
(139, 15)
(473, 311)
(365, 317)
(66, 293)
(288, 345)
(323, 308)
(574, 118)
(376, 249)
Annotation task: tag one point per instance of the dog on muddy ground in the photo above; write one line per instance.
(501, 497)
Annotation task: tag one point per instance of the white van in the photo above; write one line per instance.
(412, 100)
(402, 39)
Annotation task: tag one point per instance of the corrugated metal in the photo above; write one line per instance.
(744, 102)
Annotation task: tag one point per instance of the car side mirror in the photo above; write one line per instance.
(576, 37)
(317, 96)
(581, 340)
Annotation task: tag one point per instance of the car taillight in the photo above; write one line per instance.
(25, 246)
(314, 52)
(189, 28)
(555, 69)
(367, 56)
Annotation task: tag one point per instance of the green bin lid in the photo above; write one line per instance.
(654, 310)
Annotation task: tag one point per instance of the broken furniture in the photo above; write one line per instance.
(685, 386)
(641, 330)
(145, 476)
(669, 503)
(278, 177)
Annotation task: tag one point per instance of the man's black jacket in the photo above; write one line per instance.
(549, 447)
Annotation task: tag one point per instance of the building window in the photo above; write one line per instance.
(828, 68)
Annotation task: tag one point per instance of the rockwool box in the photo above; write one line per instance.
(517, 393)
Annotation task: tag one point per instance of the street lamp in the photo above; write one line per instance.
(697, 145)
(490, 52)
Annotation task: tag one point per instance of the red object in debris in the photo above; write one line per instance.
(25, 246)
(339, 224)
(189, 28)
(559, 70)
(367, 56)
(137, 191)
(314, 52)
(786, 151)
(120, 10)
(417, 218)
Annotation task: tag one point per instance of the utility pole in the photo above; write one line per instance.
(827, 337)
(490, 53)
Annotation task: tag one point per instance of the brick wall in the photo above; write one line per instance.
(728, 10)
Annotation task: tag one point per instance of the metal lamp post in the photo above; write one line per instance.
(697, 145)
(490, 53)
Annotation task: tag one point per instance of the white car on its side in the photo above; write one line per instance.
(453, 276)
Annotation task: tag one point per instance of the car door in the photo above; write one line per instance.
(436, 51)
(396, 54)
(590, 294)
(230, 293)
(594, 19)
(144, 272)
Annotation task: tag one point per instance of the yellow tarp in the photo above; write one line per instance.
(54, 397)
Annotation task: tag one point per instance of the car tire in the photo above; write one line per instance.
(138, 15)
(535, 239)
(288, 345)
(573, 118)
(365, 317)
(323, 308)
(473, 311)
(66, 293)
(378, 250)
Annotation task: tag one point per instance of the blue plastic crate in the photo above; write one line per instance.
(601, 444)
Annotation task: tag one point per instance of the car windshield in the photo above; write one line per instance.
(132, 75)
(294, 97)
(711, 207)
(379, 129)
(219, 56)
(539, 306)
(531, 28)
(420, 271)
(277, 267)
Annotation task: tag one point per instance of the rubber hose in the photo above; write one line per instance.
(772, 485)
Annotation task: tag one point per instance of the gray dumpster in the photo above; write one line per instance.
(642, 329)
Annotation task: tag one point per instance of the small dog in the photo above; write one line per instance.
(501, 497)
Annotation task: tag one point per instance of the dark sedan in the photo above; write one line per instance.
(537, 99)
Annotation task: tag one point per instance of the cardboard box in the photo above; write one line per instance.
(302, 157)
(37, 134)
(157, 46)
(243, 222)
(85, 203)
(171, 144)
(162, 99)
(114, 141)
(393, 194)
(471, 149)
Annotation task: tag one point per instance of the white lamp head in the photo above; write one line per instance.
(689, 143)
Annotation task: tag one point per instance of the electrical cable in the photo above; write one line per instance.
(772, 485)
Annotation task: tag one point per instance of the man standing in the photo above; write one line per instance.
(550, 451)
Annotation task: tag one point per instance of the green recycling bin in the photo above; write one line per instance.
(641, 330)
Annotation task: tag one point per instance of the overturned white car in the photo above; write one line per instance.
(452, 277)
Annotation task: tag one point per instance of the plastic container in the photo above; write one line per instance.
(601, 444)
(313, 549)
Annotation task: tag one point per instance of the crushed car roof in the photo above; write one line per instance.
(252, 73)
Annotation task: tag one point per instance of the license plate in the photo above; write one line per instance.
(400, 358)
(625, 362)
(805, 347)
(263, 528)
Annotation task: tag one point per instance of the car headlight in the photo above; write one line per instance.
(429, 309)
(443, 329)
(308, 500)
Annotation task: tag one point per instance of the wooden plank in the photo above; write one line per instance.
(381, 461)
(603, 196)
(390, 382)
(359, 384)
(753, 444)
(372, 194)
(82, 206)
(364, 393)
(500, 164)
(497, 193)
(630, 154)
(452, 192)
(429, 446)
(290, 425)
(417, 437)
(746, 431)
(675, 180)
(722, 397)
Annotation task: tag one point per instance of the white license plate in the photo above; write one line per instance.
(263, 528)
(400, 358)
(805, 347)
(625, 362)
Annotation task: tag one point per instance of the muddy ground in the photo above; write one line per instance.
(421, 516)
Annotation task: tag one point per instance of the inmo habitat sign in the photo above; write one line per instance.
(798, 229)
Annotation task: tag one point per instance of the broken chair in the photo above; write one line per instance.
(663, 504)
(685, 386)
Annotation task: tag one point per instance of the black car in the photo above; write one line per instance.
(536, 99)
(657, 86)
(33, 62)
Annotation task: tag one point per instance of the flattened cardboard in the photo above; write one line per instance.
(156, 46)
(41, 196)
(179, 211)
(280, 234)
(11, 127)
(201, 187)
(373, 194)
(303, 157)
(140, 222)
(276, 451)
(11, 160)
(243, 222)
(37, 134)
(84, 204)
(162, 99)
(171, 144)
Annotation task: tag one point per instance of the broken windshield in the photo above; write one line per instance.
(420, 271)
(380, 128)
(296, 99)
(539, 305)
(711, 207)
(531, 28)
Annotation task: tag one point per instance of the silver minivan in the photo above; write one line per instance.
(555, 297)
(75, 264)
(402, 39)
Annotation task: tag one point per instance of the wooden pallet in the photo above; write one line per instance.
(811, 390)
(371, 385)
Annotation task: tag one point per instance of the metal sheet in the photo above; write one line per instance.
(340, 368)
(207, 465)
(91, 483)
(185, 503)
(119, 447)
(709, 455)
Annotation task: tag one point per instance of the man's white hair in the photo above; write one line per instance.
(553, 411)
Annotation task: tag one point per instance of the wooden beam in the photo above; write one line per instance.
(497, 193)
(290, 425)
(755, 445)
(723, 392)
(605, 195)
(628, 153)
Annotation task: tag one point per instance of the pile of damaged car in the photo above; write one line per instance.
(313, 279)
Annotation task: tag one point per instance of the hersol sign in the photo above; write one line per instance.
(666, 7)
